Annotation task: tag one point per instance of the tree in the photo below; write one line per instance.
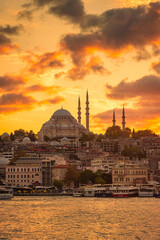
(100, 137)
(71, 176)
(58, 184)
(99, 180)
(12, 137)
(32, 136)
(116, 132)
(144, 133)
(87, 176)
(133, 152)
(20, 134)
(87, 137)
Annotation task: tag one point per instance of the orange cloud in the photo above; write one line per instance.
(39, 63)
(42, 88)
(54, 100)
(10, 83)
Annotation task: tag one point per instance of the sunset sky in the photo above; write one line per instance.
(52, 51)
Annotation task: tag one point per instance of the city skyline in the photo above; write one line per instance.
(51, 52)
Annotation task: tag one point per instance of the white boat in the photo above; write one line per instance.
(124, 191)
(78, 192)
(89, 192)
(6, 193)
(146, 191)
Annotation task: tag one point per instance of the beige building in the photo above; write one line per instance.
(107, 162)
(129, 174)
(24, 173)
(58, 172)
(61, 124)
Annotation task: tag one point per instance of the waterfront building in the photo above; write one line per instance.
(26, 171)
(3, 164)
(129, 174)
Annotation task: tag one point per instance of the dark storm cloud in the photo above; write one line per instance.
(10, 30)
(148, 86)
(13, 98)
(69, 9)
(9, 83)
(117, 29)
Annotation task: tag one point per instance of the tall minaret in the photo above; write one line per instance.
(123, 119)
(87, 112)
(79, 111)
(114, 119)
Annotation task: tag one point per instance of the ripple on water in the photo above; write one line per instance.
(79, 218)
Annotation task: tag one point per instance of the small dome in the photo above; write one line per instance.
(65, 139)
(4, 160)
(61, 112)
(26, 140)
(4, 135)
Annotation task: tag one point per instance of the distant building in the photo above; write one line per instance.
(107, 162)
(129, 174)
(58, 172)
(63, 124)
(25, 172)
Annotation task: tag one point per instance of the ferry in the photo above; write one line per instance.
(146, 191)
(124, 191)
(78, 192)
(89, 192)
(102, 190)
(6, 193)
(157, 191)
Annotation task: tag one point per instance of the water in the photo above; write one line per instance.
(80, 218)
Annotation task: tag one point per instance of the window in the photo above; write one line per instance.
(8, 169)
(21, 176)
(17, 176)
(24, 176)
(17, 169)
(24, 169)
(21, 169)
(28, 169)
(32, 176)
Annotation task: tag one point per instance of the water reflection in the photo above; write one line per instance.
(79, 218)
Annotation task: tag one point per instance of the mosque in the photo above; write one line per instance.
(63, 124)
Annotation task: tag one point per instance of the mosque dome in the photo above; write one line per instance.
(61, 113)
(26, 140)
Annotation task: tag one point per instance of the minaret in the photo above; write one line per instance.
(79, 111)
(123, 119)
(114, 119)
(87, 112)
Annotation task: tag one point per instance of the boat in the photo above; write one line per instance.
(89, 192)
(124, 191)
(146, 191)
(157, 191)
(6, 193)
(78, 192)
(102, 191)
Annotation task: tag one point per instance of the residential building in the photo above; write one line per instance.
(129, 174)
